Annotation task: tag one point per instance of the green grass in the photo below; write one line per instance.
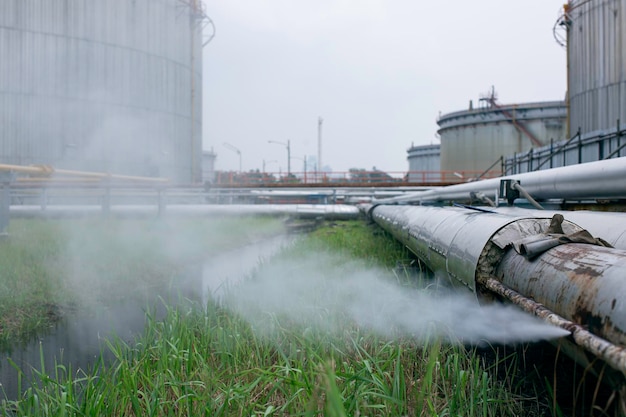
(359, 240)
(50, 268)
(210, 360)
(30, 278)
(212, 363)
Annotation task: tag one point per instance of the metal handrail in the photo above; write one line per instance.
(559, 149)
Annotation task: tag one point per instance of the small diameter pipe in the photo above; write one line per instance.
(612, 354)
(48, 170)
(527, 196)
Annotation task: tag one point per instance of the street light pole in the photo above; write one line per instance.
(288, 146)
(319, 145)
(234, 149)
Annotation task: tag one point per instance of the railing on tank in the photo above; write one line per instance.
(594, 146)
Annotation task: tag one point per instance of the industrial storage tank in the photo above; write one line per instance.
(111, 86)
(208, 166)
(424, 163)
(474, 140)
(596, 68)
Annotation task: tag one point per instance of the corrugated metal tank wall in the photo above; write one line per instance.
(597, 67)
(208, 166)
(102, 86)
(424, 163)
(473, 140)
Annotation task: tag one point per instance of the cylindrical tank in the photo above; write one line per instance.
(109, 86)
(424, 163)
(475, 139)
(208, 166)
(596, 67)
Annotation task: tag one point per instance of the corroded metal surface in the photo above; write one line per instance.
(583, 283)
(578, 286)
(612, 354)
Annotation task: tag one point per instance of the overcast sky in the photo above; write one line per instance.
(379, 72)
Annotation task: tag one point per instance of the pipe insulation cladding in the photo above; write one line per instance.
(574, 275)
(595, 180)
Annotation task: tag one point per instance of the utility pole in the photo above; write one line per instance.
(319, 143)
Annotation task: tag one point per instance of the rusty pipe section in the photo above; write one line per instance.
(612, 354)
(583, 283)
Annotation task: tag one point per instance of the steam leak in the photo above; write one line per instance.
(330, 293)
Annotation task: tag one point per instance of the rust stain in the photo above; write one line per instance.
(585, 271)
(588, 320)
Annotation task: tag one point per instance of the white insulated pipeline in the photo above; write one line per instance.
(593, 180)
(305, 211)
(582, 284)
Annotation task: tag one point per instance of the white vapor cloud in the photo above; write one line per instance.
(325, 292)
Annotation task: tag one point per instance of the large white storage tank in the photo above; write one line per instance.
(109, 85)
(424, 163)
(596, 64)
(474, 140)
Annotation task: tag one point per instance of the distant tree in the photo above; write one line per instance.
(371, 176)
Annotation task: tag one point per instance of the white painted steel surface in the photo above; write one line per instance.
(472, 140)
(109, 86)
(608, 226)
(592, 180)
(424, 158)
(597, 64)
(448, 240)
(326, 211)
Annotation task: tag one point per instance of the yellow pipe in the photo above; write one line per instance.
(57, 180)
(48, 170)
